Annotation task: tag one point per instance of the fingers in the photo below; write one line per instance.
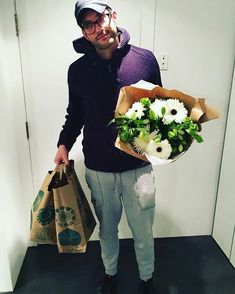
(66, 161)
(62, 155)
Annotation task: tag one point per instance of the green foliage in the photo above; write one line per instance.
(179, 135)
(145, 101)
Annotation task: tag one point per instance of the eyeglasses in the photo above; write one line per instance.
(89, 27)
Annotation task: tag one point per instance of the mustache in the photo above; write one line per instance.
(99, 34)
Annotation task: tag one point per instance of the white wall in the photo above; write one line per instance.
(190, 42)
(232, 257)
(16, 182)
(5, 274)
(201, 52)
(224, 225)
(199, 37)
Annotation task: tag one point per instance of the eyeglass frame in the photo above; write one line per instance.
(96, 22)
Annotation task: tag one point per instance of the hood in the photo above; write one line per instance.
(82, 45)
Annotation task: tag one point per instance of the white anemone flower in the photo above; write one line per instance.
(161, 149)
(157, 106)
(136, 111)
(176, 112)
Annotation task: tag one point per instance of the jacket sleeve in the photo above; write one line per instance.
(156, 73)
(74, 119)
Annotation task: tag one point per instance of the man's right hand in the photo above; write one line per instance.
(62, 155)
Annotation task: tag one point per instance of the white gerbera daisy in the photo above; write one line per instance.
(175, 112)
(157, 107)
(161, 150)
(136, 111)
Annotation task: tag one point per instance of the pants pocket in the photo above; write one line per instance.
(145, 187)
(93, 184)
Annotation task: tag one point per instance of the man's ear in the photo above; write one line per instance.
(114, 16)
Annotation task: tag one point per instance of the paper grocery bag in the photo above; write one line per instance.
(42, 226)
(74, 220)
(61, 214)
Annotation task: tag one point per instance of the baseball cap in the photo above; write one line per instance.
(98, 6)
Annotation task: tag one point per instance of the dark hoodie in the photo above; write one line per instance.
(94, 85)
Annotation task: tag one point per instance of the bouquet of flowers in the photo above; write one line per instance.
(159, 125)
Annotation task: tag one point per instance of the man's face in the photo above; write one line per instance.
(105, 29)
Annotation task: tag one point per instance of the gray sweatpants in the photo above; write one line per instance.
(136, 190)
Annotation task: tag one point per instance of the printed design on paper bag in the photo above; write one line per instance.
(46, 215)
(45, 234)
(69, 237)
(38, 200)
(65, 216)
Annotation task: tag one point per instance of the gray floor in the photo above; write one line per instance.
(184, 265)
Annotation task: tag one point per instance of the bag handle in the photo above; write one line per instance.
(66, 169)
(59, 169)
(62, 170)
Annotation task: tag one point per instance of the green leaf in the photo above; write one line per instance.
(157, 139)
(181, 138)
(199, 138)
(180, 148)
(171, 134)
(152, 115)
(181, 132)
(141, 121)
(163, 110)
(143, 130)
(174, 131)
(145, 101)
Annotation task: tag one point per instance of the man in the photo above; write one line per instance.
(115, 178)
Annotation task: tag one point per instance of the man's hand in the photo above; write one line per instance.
(62, 155)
